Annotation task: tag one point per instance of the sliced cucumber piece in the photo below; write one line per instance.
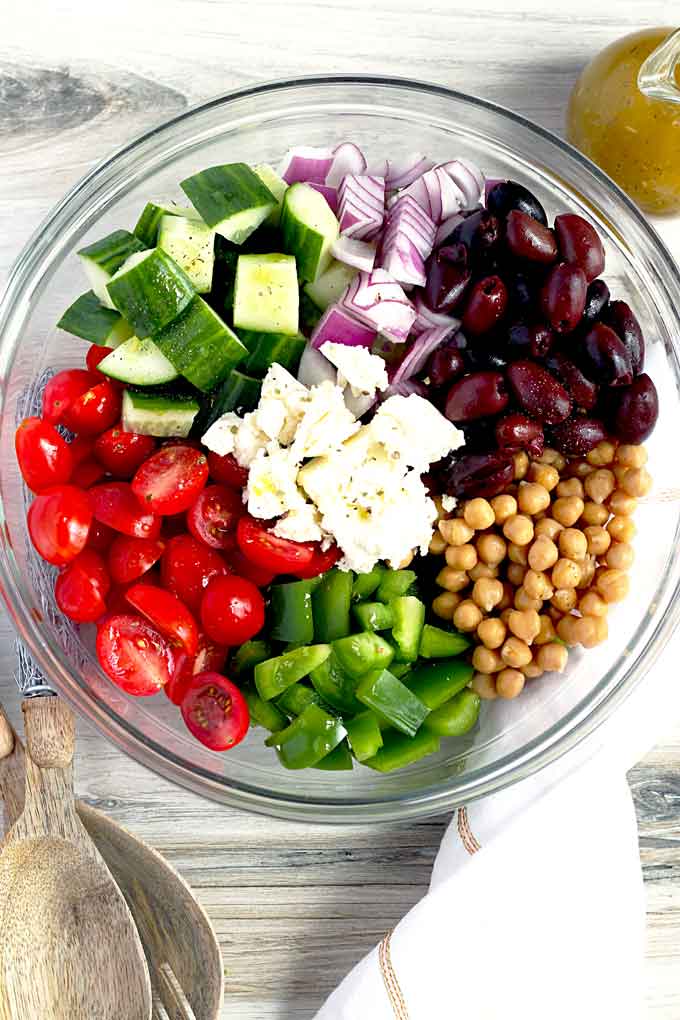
(201, 346)
(89, 319)
(150, 290)
(192, 245)
(331, 285)
(103, 258)
(146, 228)
(266, 295)
(231, 199)
(267, 348)
(239, 392)
(309, 228)
(276, 185)
(151, 414)
(139, 363)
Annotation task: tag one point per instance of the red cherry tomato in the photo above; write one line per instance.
(100, 537)
(62, 390)
(95, 410)
(232, 610)
(121, 452)
(267, 550)
(322, 561)
(114, 503)
(95, 355)
(187, 567)
(209, 658)
(133, 654)
(167, 613)
(215, 711)
(117, 600)
(87, 473)
(58, 523)
(214, 516)
(82, 448)
(43, 455)
(226, 470)
(82, 587)
(171, 479)
(174, 524)
(260, 576)
(129, 558)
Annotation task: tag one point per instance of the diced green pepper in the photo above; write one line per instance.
(400, 669)
(273, 676)
(248, 655)
(263, 712)
(437, 684)
(409, 619)
(392, 701)
(291, 612)
(436, 643)
(331, 604)
(339, 760)
(295, 699)
(364, 736)
(456, 716)
(308, 739)
(373, 616)
(335, 686)
(360, 653)
(365, 584)
(398, 750)
(394, 583)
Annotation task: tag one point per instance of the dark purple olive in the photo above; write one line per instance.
(477, 474)
(523, 292)
(448, 275)
(581, 390)
(580, 244)
(634, 410)
(445, 365)
(604, 357)
(539, 392)
(517, 432)
(530, 340)
(563, 297)
(577, 436)
(480, 435)
(528, 239)
(597, 299)
(485, 306)
(485, 355)
(476, 396)
(621, 318)
(480, 232)
(508, 195)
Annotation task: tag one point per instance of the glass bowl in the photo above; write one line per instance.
(385, 117)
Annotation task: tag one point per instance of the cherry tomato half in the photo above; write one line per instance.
(95, 410)
(82, 448)
(322, 561)
(209, 657)
(129, 558)
(95, 355)
(62, 390)
(171, 479)
(187, 566)
(260, 576)
(100, 537)
(114, 503)
(167, 613)
(44, 456)
(232, 610)
(134, 655)
(226, 471)
(58, 522)
(215, 711)
(82, 587)
(266, 550)
(213, 517)
(87, 473)
(121, 452)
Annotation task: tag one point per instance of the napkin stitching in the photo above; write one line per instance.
(390, 979)
(467, 836)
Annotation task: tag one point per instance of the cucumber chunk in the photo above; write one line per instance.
(266, 295)
(276, 185)
(309, 228)
(150, 290)
(139, 363)
(201, 346)
(146, 228)
(151, 414)
(267, 348)
(239, 392)
(103, 258)
(89, 319)
(331, 285)
(231, 199)
(192, 245)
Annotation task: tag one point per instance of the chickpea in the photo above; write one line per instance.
(521, 464)
(637, 482)
(461, 557)
(455, 531)
(467, 616)
(570, 487)
(486, 660)
(592, 604)
(437, 544)
(631, 456)
(524, 625)
(548, 528)
(554, 613)
(546, 630)
(550, 456)
(622, 529)
(620, 473)
(594, 513)
(452, 580)
(600, 484)
(567, 510)
(478, 514)
(516, 574)
(509, 683)
(602, 629)
(523, 601)
(621, 504)
(518, 554)
(588, 566)
(602, 455)
(515, 652)
(566, 629)
(579, 469)
(585, 631)
(598, 539)
(487, 593)
(508, 596)
(482, 570)
(444, 605)
(620, 555)
(573, 544)
(484, 686)
(537, 585)
(519, 529)
(552, 658)
(491, 632)
(564, 599)
(612, 584)
(533, 498)
(543, 474)
(532, 670)
(542, 554)
(491, 549)
(505, 615)
(503, 507)
(566, 573)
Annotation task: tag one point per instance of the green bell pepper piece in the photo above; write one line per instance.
(339, 760)
(394, 583)
(399, 750)
(308, 739)
(437, 684)
(373, 616)
(360, 653)
(290, 612)
(392, 701)
(400, 669)
(273, 676)
(365, 584)
(363, 735)
(409, 619)
(331, 604)
(263, 713)
(456, 716)
(295, 699)
(436, 643)
(334, 686)
(248, 655)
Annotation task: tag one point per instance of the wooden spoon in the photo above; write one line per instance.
(69, 949)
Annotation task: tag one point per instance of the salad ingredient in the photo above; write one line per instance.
(266, 293)
(264, 713)
(331, 601)
(377, 300)
(148, 224)
(392, 701)
(308, 739)
(214, 516)
(538, 392)
(359, 654)
(529, 239)
(121, 452)
(139, 363)
(158, 415)
(506, 196)
(336, 321)
(459, 715)
(134, 655)
(44, 458)
(130, 558)
(605, 358)
(102, 259)
(291, 612)
(59, 519)
(399, 750)
(187, 567)
(191, 244)
(170, 480)
(232, 610)
(364, 735)
(278, 187)
(478, 395)
(268, 551)
(362, 371)
(579, 244)
(165, 611)
(272, 348)
(93, 411)
(309, 229)
(231, 199)
(82, 586)
(408, 619)
(226, 471)
(361, 206)
(485, 305)
(62, 390)
(89, 319)
(215, 711)
(563, 297)
(335, 687)
(200, 346)
(634, 410)
(275, 675)
(150, 290)
(114, 503)
(360, 254)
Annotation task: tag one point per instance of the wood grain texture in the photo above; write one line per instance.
(295, 906)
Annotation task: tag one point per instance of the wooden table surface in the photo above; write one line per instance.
(294, 906)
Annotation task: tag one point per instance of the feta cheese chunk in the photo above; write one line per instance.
(272, 483)
(233, 434)
(363, 372)
(325, 424)
(301, 525)
(414, 431)
(282, 404)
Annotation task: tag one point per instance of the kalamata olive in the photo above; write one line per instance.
(508, 195)
(448, 275)
(539, 392)
(477, 474)
(528, 239)
(577, 436)
(480, 233)
(604, 356)
(517, 432)
(634, 410)
(563, 297)
(485, 305)
(523, 292)
(476, 396)
(530, 340)
(620, 317)
(597, 299)
(581, 390)
(445, 365)
(485, 354)
(580, 244)
(480, 435)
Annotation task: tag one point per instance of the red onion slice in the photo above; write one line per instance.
(305, 163)
(447, 227)
(338, 325)
(314, 368)
(330, 194)
(468, 178)
(347, 159)
(378, 300)
(352, 252)
(426, 318)
(401, 173)
(406, 388)
(419, 351)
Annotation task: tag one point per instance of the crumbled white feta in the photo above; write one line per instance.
(414, 431)
(363, 372)
(301, 525)
(449, 503)
(272, 483)
(282, 400)
(221, 435)
(325, 424)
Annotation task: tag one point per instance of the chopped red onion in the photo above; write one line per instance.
(419, 351)
(305, 163)
(340, 326)
(379, 169)
(359, 254)
(468, 178)
(403, 204)
(330, 194)
(401, 173)
(314, 368)
(361, 206)
(347, 159)
(403, 261)
(426, 318)
(405, 389)
(378, 300)
(447, 228)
